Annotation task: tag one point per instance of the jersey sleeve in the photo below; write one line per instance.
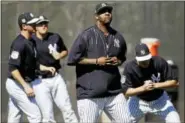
(78, 50)
(126, 81)
(60, 44)
(166, 71)
(122, 54)
(15, 56)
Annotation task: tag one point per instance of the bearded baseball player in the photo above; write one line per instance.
(97, 52)
(144, 80)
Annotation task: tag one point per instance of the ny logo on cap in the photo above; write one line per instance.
(142, 52)
(103, 4)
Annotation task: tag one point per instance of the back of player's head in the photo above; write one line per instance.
(26, 18)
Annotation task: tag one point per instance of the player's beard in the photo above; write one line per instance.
(31, 32)
(105, 22)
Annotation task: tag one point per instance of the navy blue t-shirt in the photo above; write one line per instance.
(52, 42)
(95, 81)
(158, 71)
(22, 57)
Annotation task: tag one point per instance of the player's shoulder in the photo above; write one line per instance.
(19, 41)
(86, 32)
(158, 60)
(130, 65)
(54, 34)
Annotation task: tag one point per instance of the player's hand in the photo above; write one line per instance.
(103, 61)
(56, 55)
(51, 69)
(114, 61)
(28, 90)
(148, 85)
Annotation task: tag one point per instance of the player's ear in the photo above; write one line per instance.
(23, 26)
(96, 17)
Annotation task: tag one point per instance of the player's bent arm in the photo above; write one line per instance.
(44, 68)
(17, 76)
(87, 61)
(134, 91)
(61, 55)
(166, 84)
(98, 61)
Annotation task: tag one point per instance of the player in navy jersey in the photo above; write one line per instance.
(144, 80)
(21, 73)
(51, 87)
(97, 52)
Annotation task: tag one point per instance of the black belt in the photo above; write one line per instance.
(45, 74)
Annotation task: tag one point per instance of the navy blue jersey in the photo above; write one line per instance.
(23, 57)
(46, 46)
(92, 80)
(158, 71)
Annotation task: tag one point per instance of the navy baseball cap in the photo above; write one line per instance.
(42, 18)
(142, 52)
(27, 18)
(102, 6)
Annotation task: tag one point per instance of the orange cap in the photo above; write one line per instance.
(153, 44)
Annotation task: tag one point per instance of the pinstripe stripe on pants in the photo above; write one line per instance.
(161, 107)
(115, 107)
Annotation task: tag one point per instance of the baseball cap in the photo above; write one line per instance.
(102, 6)
(142, 52)
(42, 18)
(27, 18)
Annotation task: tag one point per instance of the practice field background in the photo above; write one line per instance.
(135, 20)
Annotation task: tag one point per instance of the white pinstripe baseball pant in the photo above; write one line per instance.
(162, 107)
(115, 107)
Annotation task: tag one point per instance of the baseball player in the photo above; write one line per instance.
(97, 52)
(144, 81)
(51, 85)
(22, 65)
